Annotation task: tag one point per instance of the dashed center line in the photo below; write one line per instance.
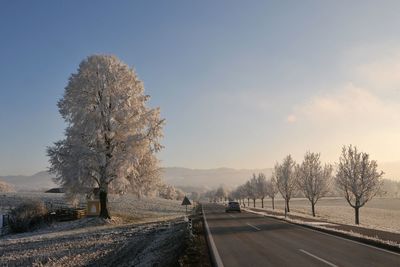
(318, 258)
(232, 216)
(255, 227)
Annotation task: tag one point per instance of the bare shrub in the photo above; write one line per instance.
(27, 216)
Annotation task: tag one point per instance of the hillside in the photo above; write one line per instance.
(185, 178)
(39, 181)
(210, 178)
(189, 180)
(206, 178)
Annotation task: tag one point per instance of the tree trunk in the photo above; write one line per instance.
(273, 203)
(248, 201)
(254, 202)
(262, 202)
(357, 214)
(313, 209)
(103, 205)
(287, 205)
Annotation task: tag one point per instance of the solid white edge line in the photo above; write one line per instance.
(214, 249)
(318, 258)
(320, 232)
(258, 229)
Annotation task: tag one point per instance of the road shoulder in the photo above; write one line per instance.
(372, 237)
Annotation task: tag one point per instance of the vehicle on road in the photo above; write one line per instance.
(232, 206)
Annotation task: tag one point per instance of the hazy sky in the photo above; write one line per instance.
(240, 83)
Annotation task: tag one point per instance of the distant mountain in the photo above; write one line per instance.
(182, 177)
(209, 178)
(39, 181)
(187, 179)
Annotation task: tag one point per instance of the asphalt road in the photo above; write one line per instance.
(247, 239)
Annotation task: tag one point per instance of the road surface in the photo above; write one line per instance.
(247, 239)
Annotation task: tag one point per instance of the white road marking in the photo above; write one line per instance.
(318, 258)
(232, 216)
(214, 250)
(349, 240)
(258, 229)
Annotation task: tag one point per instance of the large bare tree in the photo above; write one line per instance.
(358, 177)
(313, 179)
(110, 129)
(286, 179)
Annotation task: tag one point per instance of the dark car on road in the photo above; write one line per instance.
(232, 206)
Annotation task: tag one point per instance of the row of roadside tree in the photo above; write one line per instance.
(355, 176)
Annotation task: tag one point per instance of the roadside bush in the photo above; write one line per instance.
(27, 216)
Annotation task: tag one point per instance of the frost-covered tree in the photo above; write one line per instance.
(244, 193)
(357, 176)
(262, 190)
(233, 195)
(221, 193)
(313, 179)
(109, 129)
(170, 192)
(247, 191)
(240, 193)
(253, 190)
(272, 189)
(167, 192)
(210, 195)
(145, 176)
(6, 187)
(286, 179)
(179, 194)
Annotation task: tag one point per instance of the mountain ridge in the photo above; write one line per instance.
(177, 176)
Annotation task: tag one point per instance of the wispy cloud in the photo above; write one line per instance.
(376, 67)
(364, 111)
(347, 105)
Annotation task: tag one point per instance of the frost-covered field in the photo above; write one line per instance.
(10, 200)
(127, 206)
(153, 244)
(145, 208)
(379, 213)
(149, 230)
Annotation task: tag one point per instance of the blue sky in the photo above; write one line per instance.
(240, 83)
